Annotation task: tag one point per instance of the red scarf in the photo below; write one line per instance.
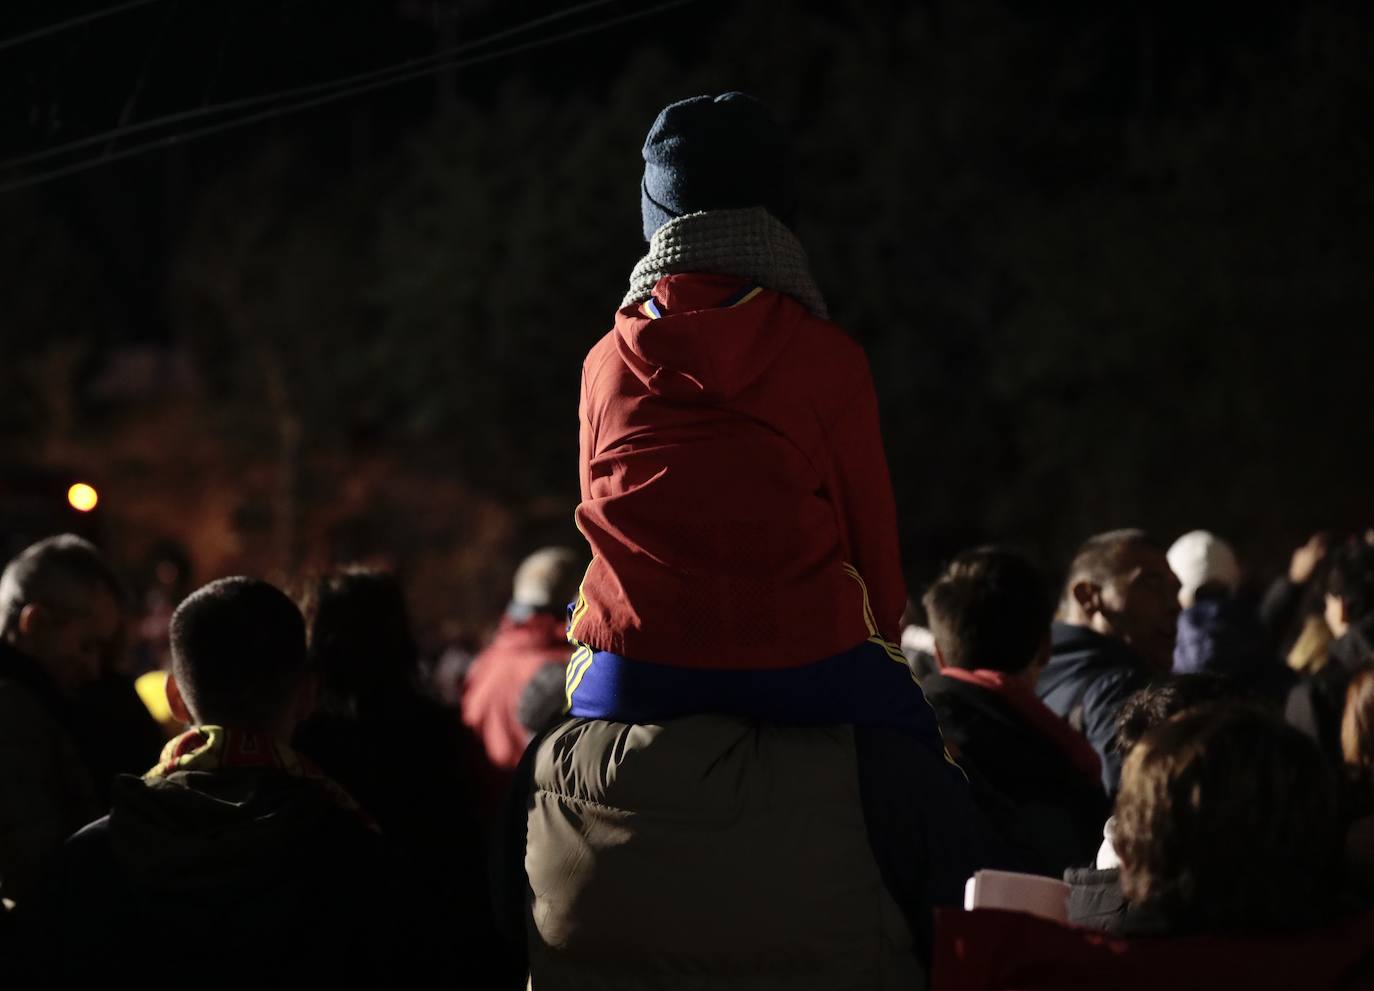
(1019, 697)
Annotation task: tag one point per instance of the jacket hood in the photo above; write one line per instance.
(1218, 635)
(705, 345)
(193, 830)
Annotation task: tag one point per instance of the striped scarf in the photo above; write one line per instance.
(215, 748)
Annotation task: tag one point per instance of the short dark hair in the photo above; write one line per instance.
(1098, 559)
(990, 609)
(1351, 579)
(360, 640)
(238, 652)
(1226, 822)
(58, 572)
(1152, 705)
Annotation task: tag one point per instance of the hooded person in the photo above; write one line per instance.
(735, 493)
(239, 857)
(514, 687)
(752, 788)
(1218, 631)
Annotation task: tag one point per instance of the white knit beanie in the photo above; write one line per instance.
(1201, 558)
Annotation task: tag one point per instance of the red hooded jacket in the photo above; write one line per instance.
(491, 692)
(735, 493)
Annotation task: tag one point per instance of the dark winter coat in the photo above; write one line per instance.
(246, 877)
(1095, 898)
(1088, 680)
(721, 852)
(1317, 703)
(1058, 811)
(47, 792)
(1279, 608)
(1224, 636)
(424, 777)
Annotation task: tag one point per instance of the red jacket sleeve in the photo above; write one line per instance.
(862, 492)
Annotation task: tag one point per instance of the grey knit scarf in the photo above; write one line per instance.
(750, 243)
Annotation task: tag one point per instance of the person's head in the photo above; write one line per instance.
(62, 605)
(1157, 703)
(1205, 566)
(546, 581)
(1350, 587)
(1226, 822)
(990, 609)
(715, 153)
(239, 658)
(1120, 585)
(360, 640)
(1357, 725)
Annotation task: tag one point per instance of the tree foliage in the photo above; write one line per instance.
(1109, 264)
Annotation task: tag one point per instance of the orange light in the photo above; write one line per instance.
(82, 497)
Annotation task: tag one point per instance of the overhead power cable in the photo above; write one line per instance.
(331, 97)
(310, 89)
(73, 22)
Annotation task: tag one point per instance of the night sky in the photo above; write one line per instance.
(1110, 263)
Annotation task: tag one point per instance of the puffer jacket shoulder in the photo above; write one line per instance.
(707, 852)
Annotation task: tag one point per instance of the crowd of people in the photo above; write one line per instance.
(322, 812)
(706, 750)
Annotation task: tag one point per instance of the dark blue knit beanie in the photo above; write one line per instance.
(715, 153)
